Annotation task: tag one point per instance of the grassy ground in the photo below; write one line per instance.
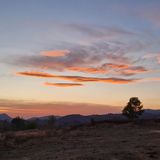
(98, 142)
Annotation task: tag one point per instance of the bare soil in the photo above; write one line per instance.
(97, 142)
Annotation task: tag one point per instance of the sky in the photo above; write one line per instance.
(78, 57)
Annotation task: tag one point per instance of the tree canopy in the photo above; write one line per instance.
(133, 109)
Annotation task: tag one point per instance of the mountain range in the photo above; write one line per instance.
(77, 119)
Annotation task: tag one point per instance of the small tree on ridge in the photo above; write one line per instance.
(133, 109)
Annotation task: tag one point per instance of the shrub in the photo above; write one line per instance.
(18, 123)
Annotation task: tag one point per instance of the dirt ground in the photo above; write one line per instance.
(98, 142)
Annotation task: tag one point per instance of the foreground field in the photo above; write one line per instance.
(97, 142)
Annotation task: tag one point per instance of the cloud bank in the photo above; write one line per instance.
(98, 61)
(31, 108)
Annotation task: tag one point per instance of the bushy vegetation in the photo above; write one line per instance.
(133, 109)
(19, 123)
(5, 126)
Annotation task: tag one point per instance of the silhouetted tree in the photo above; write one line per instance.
(31, 125)
(133, 109)
(18, 123)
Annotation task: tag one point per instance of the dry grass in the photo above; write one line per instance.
(98, 142)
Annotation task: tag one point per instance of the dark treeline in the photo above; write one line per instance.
(19, 123)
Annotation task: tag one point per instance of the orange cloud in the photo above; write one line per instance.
(95, 79)
(55, 53)
(35, 74)
(117, 80)
(78, 78)
(62, 84)
(134, 70)
(87, 69)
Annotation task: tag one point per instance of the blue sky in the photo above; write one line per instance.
(91, 51)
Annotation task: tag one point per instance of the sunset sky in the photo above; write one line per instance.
(78, 57)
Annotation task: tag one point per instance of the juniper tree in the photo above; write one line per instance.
(133, 109)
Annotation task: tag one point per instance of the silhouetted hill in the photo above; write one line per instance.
(5, 117)
(74, 119)
(150, 114)
(77, 119)
(43, 118)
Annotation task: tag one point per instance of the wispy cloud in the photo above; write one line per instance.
(98, 32)
(115, 66)
(94, 79)
(78, 78)
(63, 84)
(155, 56)
(158, 59)
(35, 74)
(88, 69)
(152, 15)
(76, 56)
(152, 79)
(133, 70)
(98, 58)
(119, 58)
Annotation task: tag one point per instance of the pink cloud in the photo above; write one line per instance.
(55, 53)
(155, 56)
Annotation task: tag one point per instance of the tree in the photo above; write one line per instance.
(133, 109)
(18, 123)
(31, 125)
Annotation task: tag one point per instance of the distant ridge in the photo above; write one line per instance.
(42, 118)
(150, 114)
(77, 119)
(5, 117)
